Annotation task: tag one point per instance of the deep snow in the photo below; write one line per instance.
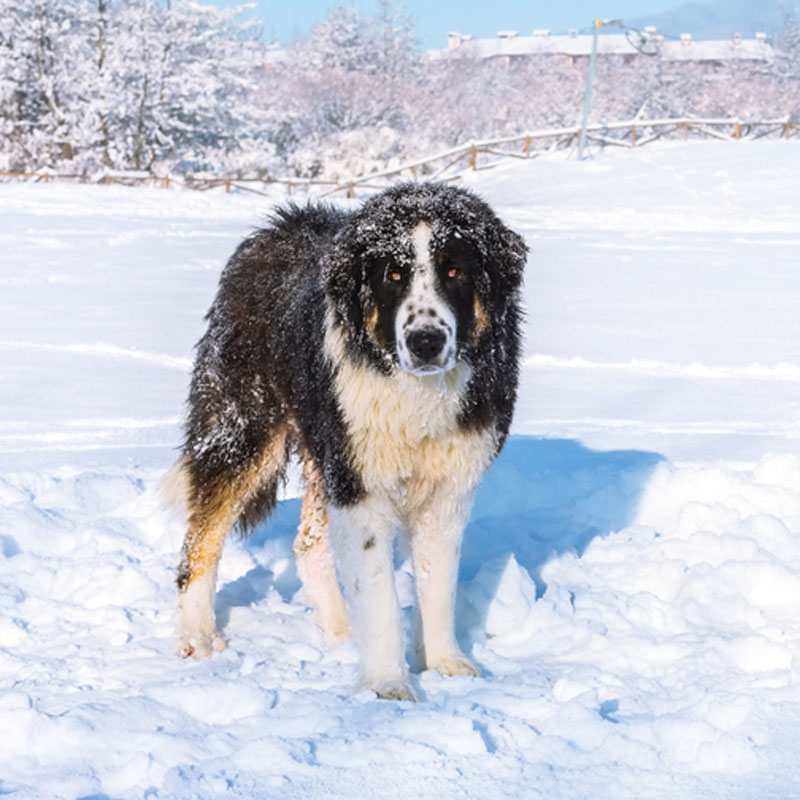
(630, 582)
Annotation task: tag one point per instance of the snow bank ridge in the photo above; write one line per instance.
(776, 372)
(103, 350)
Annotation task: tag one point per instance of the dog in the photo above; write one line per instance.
(381, 347)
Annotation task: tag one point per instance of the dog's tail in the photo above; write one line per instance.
(173, 488)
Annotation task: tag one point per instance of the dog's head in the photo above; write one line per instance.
(418, 277)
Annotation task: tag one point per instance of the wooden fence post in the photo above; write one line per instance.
(473, 157)
(633, 136)
(787, 129)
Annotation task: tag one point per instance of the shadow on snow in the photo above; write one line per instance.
(541, 498)
(271, 544)
(545, 497)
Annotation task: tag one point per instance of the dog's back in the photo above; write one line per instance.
(270, 296)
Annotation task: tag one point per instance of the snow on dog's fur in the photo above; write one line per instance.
(382, 348)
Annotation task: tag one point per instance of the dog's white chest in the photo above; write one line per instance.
(404, 433)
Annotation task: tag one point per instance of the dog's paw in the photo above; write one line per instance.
(395, 690)
(201, 645)
(455, 664)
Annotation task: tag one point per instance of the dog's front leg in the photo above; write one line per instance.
(436, 533)
(362, 537)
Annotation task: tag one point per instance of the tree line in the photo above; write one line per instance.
(172, 86)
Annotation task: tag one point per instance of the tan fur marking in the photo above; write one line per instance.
(481, 318)
(372, 325)
(315, 561)
(313, 518)
(214, 509)
(212, 512)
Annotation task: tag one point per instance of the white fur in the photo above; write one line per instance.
(197, 631)
(403, 429)
(427, 308)
(315, 563)
(172, 491)
(316, 569)
(436, 531)
(420, 471)
(362, 537)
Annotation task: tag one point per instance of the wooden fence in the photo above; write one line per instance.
(478, 154)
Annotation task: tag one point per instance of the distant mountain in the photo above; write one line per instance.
(722, 18)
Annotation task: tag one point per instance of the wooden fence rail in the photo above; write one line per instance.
(477, 154)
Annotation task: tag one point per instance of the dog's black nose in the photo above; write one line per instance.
(426, 343)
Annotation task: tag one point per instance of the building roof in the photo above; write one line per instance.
(510, 44)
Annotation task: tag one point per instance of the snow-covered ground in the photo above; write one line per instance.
(631, 575)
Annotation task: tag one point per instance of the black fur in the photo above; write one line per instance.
(261, 366)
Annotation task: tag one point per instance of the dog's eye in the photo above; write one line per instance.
(394, 275)
(450, 270)
(449, 267)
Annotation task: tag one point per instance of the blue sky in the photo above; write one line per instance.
(285, 20)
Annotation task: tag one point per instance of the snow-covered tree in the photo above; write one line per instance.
(185, 79)
(396, 54)
(788, 65)
(158, 85)
(128, 84)
(37, 54)
(349, 80)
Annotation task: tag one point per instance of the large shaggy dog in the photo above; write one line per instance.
(381, 347)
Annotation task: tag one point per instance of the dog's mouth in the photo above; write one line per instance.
(429, 369)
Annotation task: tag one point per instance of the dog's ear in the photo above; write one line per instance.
(342, 275)
(503, 252)
(503, 257)
(508, 254)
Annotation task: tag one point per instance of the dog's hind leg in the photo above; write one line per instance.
(315, 563)
(214, 508)
(211, 516)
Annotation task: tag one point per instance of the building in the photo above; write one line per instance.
(509, 46)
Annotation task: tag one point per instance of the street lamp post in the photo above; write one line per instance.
(642, 41)
(587, 99)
